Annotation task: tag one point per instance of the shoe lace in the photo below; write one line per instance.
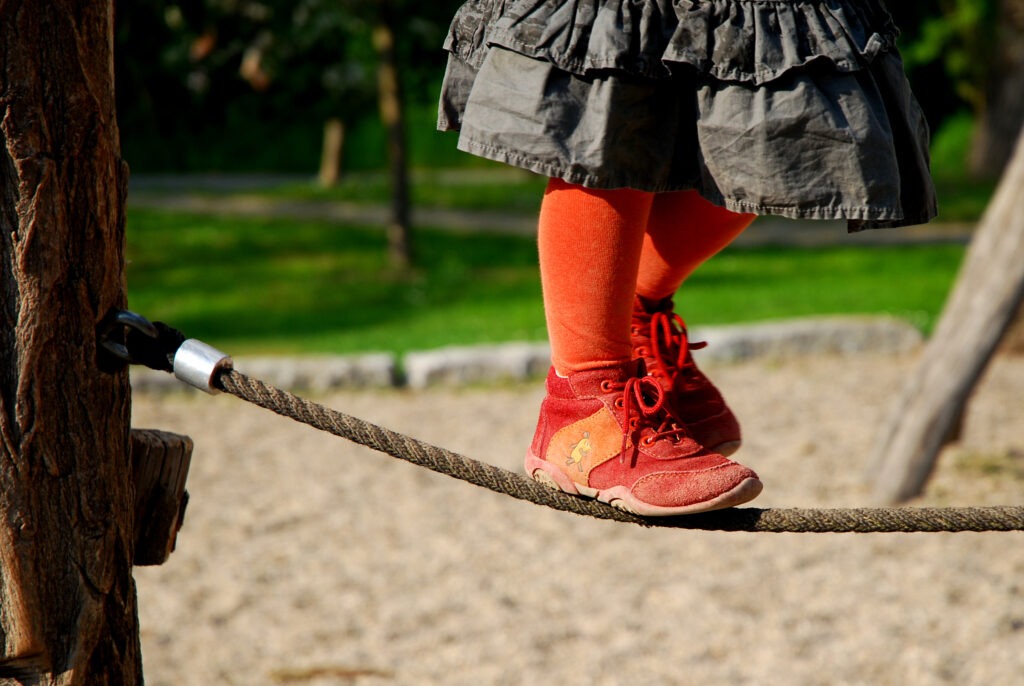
(671, 348)
(643, 405)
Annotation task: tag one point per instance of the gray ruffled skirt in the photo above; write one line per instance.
(796, 108)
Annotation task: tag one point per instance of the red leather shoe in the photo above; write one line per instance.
(607, 434)
(660, 340)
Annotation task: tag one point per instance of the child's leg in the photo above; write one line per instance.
(589, 243)
(604, 429)
(684, 231)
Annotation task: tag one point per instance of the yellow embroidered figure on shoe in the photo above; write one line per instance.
(580, 452)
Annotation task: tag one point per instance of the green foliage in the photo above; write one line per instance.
(951, 145)
(251, 285)
(961, 37)
(204, 84)
(961, 197)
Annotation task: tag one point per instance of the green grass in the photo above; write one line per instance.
(307, 286)
(268, 285)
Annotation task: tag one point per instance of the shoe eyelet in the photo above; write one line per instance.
(606, 386)
(647, 441)
(618, 404)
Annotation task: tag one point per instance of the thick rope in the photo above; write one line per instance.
(857, 520)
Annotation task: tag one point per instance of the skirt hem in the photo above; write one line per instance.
(858, 218)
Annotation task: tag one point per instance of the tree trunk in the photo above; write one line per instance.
(392, 115)
(1002, 113)
(67, 597)
(987, 294)
(332, 152)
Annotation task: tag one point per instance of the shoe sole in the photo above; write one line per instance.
(621, 497)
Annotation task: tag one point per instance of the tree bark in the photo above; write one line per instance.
(393, 117)
(985, 298)
(67, 597)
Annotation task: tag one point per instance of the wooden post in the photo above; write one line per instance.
(67, 598)
(987, 294)
(160, 462)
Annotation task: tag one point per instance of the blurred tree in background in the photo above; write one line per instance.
(247, 85)
(967, 56)
(250, 85)
(1000, 105)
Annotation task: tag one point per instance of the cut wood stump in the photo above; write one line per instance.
(160, 462)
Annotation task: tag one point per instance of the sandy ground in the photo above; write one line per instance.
(308, 560)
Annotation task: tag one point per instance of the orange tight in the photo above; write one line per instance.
(600, 247)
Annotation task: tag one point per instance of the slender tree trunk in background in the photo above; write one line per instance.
(68, 611)
(392, 115)
(332, 154)
(1000, 120)
(988, 293)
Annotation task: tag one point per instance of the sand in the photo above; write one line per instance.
(308, 560)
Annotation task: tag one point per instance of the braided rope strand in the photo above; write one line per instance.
(777, 520)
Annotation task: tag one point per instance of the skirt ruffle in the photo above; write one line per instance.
(750, 41)
(798, 108)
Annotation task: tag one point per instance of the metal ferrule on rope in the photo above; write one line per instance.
(198, 364)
